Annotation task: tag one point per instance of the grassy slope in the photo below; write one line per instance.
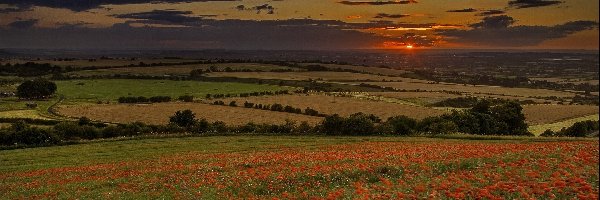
(111, 89)
(557, 126)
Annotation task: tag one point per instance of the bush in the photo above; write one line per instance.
(402, 125)
(233, 104)
(248, 105)
(185, 118)
(75, 131)
(277, 107)
(356, 124)
(437, 125)
(133, 100)
(303, 128)
(159, 99)
(186, 98)
(579, 129)
(219, 127)
(22, 134)
(133, 129)
(36, 89)
(202, 126)
(311, 112)
(548, 133)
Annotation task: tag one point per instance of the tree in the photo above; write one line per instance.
(185, 118)
(402, 125)
(511, 114)
(36, 89)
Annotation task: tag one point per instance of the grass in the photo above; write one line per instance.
(267, 167)
(545, 114)
(557, 126)
(319, 75)
(177, 70)
(32, 114)
(475, 90)
(145, 149)
(159, 113)
(345, 106)
(112, 89)
(12, 107)
(104, 151)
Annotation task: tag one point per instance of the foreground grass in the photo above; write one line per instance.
(304, 167)
(112, 89)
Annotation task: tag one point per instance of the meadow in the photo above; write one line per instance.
(112, 89)
(557, 126)
(116, 62)
(545, 114)
(477, 89)
(160, 113)
(332, 104)
(178, 70)
(319, 75)
(110, 157)
(309, 167)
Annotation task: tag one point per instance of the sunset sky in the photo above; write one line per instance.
(299, 24)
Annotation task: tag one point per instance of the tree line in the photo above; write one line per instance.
(274, 107)
(505, 119)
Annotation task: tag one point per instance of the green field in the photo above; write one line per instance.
(111, 89)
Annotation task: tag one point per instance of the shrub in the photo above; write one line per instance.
(579, 129)
(185, 118)
(548, 133)
(219, 127)
(133, 129)
(356, 124)
(311, 112)
(159, 99)
(36, 89)
(186, 98)
(248, 104)
(437, 125)
(402, 125)
(303, 128)
(233, 104)
(75, 131)
(277, 107)
(202, 126)
(139, 99)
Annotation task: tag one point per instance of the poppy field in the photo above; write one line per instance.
(260, 167)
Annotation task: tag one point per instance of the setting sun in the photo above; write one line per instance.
(409, 46)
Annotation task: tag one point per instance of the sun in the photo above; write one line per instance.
(409, 46)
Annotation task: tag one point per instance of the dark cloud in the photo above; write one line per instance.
(265, 7)
(162, 16)
(464, 10)
(376, 3)
(494, 22)
(415, 40)
(491, 12)
(498, 31)
(205, 34)
(82, 5)
(23, 24)
(16, 9)
(393, 16)
(532, 3)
